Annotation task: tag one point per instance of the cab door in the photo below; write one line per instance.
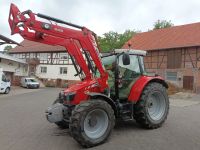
(128, 75)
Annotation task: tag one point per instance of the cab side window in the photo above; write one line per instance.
(128, 75)
(132, 70)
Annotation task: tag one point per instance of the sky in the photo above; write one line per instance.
(102, 16)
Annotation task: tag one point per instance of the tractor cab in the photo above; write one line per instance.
(124, 67)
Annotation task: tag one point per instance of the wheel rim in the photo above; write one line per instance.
(156, 106)
(96, 123)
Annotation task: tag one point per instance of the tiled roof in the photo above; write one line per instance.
(174, 37)
(29, 46)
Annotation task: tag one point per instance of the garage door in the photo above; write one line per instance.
(188, 82)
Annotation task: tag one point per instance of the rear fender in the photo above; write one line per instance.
(94, 95)
(141, 83)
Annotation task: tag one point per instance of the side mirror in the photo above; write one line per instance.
(7, 80)
(126, 59)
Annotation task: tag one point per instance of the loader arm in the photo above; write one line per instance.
(78, 42)
(5, 40)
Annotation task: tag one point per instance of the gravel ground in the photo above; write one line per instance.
(183, 95)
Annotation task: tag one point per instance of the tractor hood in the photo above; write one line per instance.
(82, 86)
(80, 91)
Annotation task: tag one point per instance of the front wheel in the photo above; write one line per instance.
(92, 122)
(152, 109)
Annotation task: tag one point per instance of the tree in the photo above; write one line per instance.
(113, 40)
(159, 24)
(7, 48)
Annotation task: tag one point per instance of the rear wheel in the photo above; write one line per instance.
(152, 109)
(92, 122)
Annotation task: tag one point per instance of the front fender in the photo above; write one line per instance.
(94, 95)
(141, 83)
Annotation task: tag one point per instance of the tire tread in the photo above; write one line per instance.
(75, 120)
(140, 113)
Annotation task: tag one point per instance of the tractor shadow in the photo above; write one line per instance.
(60, 132)
(127, 125)
(119, 127)
(122, 129)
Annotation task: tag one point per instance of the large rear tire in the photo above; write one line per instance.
(152, 109)
(92, 122)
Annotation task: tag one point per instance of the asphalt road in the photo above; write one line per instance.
(23, 126)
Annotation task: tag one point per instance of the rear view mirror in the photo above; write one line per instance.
(126, 59)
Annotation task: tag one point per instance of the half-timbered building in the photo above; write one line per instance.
(45, 61)
(173, 53)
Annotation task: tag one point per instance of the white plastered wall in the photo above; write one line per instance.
(17, 68)
(53, 72)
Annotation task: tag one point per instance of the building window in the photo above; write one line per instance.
(45, 58)
(23, 55)
(32, 55)
(171, 76)
(43, 70)
(63, 70)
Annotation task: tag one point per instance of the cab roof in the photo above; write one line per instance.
(131, 51)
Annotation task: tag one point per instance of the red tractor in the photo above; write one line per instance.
(113, 87)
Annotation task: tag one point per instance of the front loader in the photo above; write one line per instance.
(113, 87)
